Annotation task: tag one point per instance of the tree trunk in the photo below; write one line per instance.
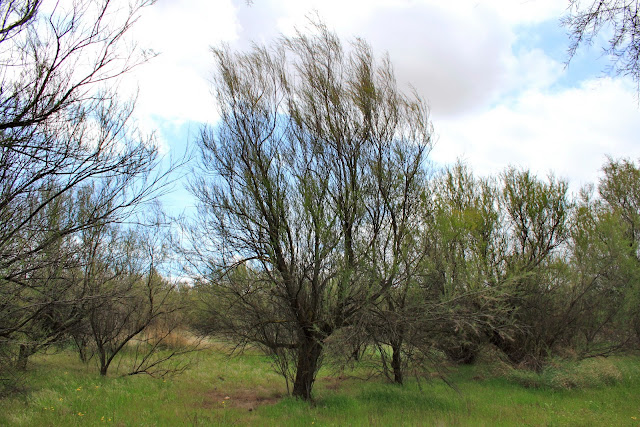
(396, 362)
(23, 357)
(104, 362)
(308, 358)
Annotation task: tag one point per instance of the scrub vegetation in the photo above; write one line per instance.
(245, 390)
(333, 275)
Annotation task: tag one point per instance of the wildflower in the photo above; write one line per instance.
(634, 418)
(60, 399)
(97, 386)
(80, 414)
(79, 388)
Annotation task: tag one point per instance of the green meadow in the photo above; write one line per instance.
(216, 389)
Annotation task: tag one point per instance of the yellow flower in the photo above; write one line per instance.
(61, 399)
(79, 388)
(80, 414)
(634, 418)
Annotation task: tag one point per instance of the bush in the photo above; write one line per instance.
(588, 373)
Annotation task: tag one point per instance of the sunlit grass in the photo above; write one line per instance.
(219, 390)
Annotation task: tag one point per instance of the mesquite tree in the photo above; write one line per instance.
(537, 226)
(466, 246)
(300, 188)
(62, 128)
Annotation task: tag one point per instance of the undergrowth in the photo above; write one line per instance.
(565, 375)
(244, 390)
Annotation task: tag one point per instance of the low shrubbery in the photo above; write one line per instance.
(563, 375)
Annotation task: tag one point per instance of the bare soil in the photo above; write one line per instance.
(248, 399)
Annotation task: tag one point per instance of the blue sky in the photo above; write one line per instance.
(492, 71)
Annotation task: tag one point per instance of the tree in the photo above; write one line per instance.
(395, 253)
(49, 287)
(620, 189)
(588, 19)
(537, 225)
(62, 127)
(126, 296)
(603, 299)
(291, 188)
(466, 244)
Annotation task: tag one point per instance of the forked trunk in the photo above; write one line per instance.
(104, 362)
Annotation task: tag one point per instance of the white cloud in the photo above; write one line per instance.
(457, 54)
(453, 59)
(493, 104)
(567, 132)
(518, 12)
(529, 69)
(174, 86)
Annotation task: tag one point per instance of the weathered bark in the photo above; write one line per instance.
(309, 354)
(396, 362)
(104, 361)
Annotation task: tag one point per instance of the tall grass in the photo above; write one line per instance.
(219, 390)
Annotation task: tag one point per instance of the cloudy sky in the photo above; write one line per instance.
(492, 71)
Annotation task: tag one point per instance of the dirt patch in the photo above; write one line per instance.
(243, 399)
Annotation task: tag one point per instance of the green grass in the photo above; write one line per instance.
(243, 390)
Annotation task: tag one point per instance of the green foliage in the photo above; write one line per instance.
(310, 184)
(583, 374)
(539, 272)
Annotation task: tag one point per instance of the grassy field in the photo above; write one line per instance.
(243, 390)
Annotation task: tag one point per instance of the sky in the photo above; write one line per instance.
(493, 73)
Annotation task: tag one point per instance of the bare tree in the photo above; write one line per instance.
(123, 297)
(42, 303)
(289, 193)
(62, 128)
(587, 19)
